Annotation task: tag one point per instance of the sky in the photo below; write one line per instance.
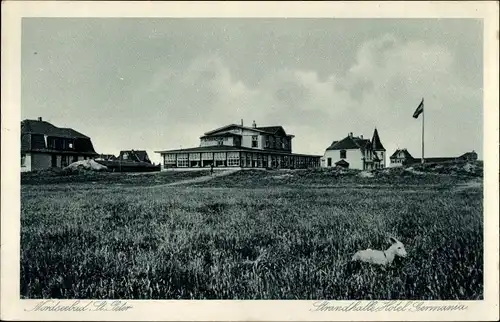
(159, 84)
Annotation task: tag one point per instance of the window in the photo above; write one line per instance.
(182, 160)
(194, 156)
(207, 156)
(255, 141)
(237, 141)
(329, 162)
(64, 161)
(267, 142)
(170, 158)
(23, 160)
(51, 144)
(220, 156)
(343, 154)
(125, 156)
(233, 159)
(71, 146)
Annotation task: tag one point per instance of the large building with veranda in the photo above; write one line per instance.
(238, 146)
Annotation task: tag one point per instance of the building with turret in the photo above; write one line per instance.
(356, 152)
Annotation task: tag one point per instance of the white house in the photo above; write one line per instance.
(355, 153)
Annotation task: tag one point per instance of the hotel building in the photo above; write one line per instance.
(239, 146)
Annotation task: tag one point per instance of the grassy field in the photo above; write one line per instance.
(107, 178)
(280, 235)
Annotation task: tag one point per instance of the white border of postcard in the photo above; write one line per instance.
(13, 308)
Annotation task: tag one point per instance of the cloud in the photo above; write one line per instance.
(380, 89)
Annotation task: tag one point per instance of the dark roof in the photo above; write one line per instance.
(408, 156)
(128, 166)
(376, 144)
(226, 148)
(342, 162)
(264, 129)
(273, 130)
(406, 153)
(33, 134)
(45, 128)
(221, 134)
(106, 156)
(270, 129)
(350, 143)
(231, 126)
(138, 155)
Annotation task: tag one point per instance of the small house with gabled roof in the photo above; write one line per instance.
(355, 152)
(402, 157)
(44, 145)
(134, 155)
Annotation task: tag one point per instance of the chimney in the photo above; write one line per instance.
(254, 124)
(40, 118)
(241, 122)
(350, 134)
(361, 136)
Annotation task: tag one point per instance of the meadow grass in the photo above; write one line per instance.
(265, 240)
(107, 178)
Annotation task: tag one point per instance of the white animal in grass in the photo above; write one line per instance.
(381, 257)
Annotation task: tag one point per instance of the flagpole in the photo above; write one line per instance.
(423, 118)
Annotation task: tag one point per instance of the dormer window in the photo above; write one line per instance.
(255, 141)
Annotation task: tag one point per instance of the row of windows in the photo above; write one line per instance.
(215, 138)
(277, 143)
(220, 156)
(234, 159)
(59, 143)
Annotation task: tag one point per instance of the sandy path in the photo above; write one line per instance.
(217, 173)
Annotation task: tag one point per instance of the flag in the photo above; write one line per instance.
(419, 110)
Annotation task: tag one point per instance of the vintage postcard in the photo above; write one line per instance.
(240, 161)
